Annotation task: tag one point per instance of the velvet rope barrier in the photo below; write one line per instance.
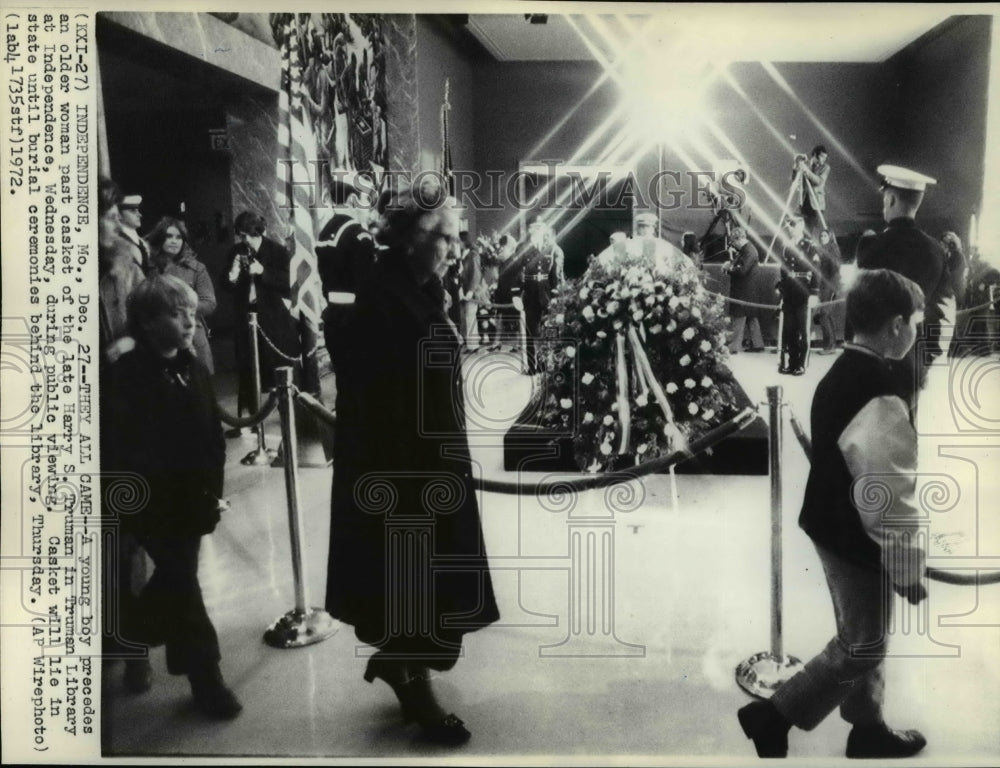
(740, 421)
(254, 418)
(316, 408)
(936, 574)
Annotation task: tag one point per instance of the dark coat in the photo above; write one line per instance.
(402, 478)
(800, 273)
(741, 280)
(163, 424)
(905, 249)
(273, 317)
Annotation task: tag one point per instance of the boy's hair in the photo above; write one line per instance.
(250, 223)
(877, 296)
(155, 296)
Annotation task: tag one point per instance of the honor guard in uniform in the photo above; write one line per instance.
(799, 281)
(345, 256)
(543, 265)
(904, 248)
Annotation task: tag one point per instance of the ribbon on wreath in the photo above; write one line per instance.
(647, 382)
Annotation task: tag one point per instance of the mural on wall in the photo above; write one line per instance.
(343, 74)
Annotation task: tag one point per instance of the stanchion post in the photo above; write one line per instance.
(764, 672)
(302, 625)
(774, 462)
(523, 332)
(260, 456)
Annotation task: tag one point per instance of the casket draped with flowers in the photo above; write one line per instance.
(634, 358)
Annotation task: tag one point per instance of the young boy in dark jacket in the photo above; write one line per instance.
(164, 428)
(860, 513)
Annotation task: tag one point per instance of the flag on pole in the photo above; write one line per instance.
(446, 166)
(298, 171)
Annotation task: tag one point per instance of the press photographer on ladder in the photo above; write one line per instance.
(814, 173)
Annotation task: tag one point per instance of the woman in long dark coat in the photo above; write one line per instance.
(407, 561)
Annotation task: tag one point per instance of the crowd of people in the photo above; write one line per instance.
(405, 299)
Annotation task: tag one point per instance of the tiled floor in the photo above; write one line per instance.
(654, 681)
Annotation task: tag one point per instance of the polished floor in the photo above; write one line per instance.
(646, 676)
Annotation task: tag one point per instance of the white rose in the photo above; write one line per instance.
(671, 326)
(566, 403)
(689, 383)
(707, 415)
(609, 420)
(637, 315)
(588, 313)
(570, 352)
(696, 313)
(595, 466)
(617, 325)
(688, 334)
(560, 319)
(674, 301)
(706, 382)
(588, 417)
(605, 448)
(602, 334)
(656, 328)
(705, 345)
(686, 360)
(669, 291)
(584, 293)
(587, 378)
(650, 301)
(692, 408)
(642, 400)
(671, 388)
(642, 449)
(612, 307)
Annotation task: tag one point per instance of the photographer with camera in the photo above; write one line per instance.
(814, 173)
(259, 276)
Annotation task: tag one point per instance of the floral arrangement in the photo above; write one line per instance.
(634, 353)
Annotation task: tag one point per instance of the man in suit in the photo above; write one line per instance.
(906, 249)
(130, 208)
(740, 270)
(259, 277)
(812, 192)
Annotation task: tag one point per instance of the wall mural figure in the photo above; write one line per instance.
(343, 65)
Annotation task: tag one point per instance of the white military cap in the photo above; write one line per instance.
(904, 178)
(646, 218)
(131, 201)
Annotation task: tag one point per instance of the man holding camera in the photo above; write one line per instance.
(259, 278)
(813, 172)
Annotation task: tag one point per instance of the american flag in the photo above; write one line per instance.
(297, 156)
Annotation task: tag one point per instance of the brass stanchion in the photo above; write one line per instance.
(764, 672)
(301, 625)
(523, 333)
(261, 455)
